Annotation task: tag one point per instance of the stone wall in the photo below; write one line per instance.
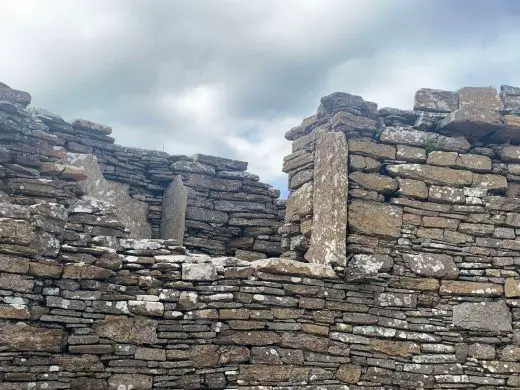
(227, 210)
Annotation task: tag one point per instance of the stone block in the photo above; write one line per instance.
(375, 182)
(412, 188)
(432, 265)
(471, 288)
(374, 218)
(407, 135)
(173, 213)
(483, 316)
(396, 299)
(199, 271)
(482, 98)
(130, 381)
(368, 148)
(410, 154)
(349, 373)
(328, 238)
(299, 203)
(22, 337)
(436, 100)
(446, 195)
(136, 330)
(431, 174)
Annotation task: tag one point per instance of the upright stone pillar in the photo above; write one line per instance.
(329, 224)
(173, 219)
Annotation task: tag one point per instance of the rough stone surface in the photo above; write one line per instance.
(329, 201)
(436, 100)
(375, 218)
(132, 212)
(175, 201)
(484, 316)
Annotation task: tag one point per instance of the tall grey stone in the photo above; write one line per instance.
(175, 201)
(329, 233)
(131, 212)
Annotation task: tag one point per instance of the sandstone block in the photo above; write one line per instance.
(446, 195)
(366, 147)
(410, 153)
(432, 174)
(136, 330)
(512, 287)
(409, 136)
(199, 271)
(328, 238)
(412, 188)
(432, 265)
(395, 348)
(471, 288)
(23, 337)
(349, 373)
(484, 98)
(374, 181)
(444, 159)
(375, 218)
(436, 100)
(130, 381)
(299, 203)
(484, 316)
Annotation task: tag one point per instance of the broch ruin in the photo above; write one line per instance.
(394, 263)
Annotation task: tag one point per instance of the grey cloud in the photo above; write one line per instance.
(230, 77)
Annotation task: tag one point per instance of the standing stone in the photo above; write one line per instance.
(328, 239)
(175, 201)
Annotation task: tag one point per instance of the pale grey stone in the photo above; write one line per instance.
(175, 200)
(199, 271)
(131, 212)
(484, 316)
(432, 265)
(330, 189)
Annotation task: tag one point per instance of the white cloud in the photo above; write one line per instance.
(230, 77)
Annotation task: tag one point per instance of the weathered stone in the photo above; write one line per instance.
(286, 266)
(249, 338)
(484, 98)
(364, 163)
(175, 201)
(446, 195)
(373, 181)
(365, 267)
(328, 238)
(136, 330)
(512, 288)
(436, 100)
(409, 136)
(471, 288)
(432, 175)
(490, 182)
(85, 271)
(23, 337)
(15, 282)
(432, 265)
(410, 153)
(297, 160)
(445, 159)
(299, 202)
(510, 154)
(349, 373)
(131, 212)
(146, 308)
(221, 163)
(300, 178)
(273, 373)
(412, 188)
(130, 381)
(474, 162)
(368, 148)
(485, 316)
(374, 218)
(199, 271)
(396, 299)
(86, 383)
(395, 348)
(206, 215)
(472, 122)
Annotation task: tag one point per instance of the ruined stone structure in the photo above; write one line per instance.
(400, 264)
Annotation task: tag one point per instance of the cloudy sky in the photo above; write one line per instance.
(230, 77)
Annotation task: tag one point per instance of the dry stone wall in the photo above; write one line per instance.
(226, 210)
(431, 209)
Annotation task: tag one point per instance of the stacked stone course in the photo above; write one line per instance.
(401, 266)
(228, 211)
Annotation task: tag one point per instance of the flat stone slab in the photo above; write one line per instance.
(329, 233)
(285, 266)
(435, 100)
(375, 218)
(485, 316)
